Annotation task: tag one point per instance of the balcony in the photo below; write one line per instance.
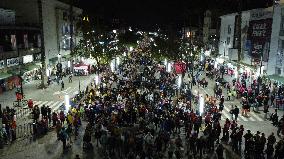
(22, 52)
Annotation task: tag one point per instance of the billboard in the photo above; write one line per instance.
(259, 34)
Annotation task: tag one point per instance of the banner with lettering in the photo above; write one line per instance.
(259, 34)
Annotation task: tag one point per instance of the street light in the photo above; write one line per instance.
(201, 104)
(67, 103)
(59, 57)
(20, 75)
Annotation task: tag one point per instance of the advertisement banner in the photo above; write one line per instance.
(14, 42)
(27, 59)
(37, 57)
(12, 62)
(2, 64)
(38, 41)
(259, 38)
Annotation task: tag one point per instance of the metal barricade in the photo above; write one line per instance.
(25, 130)
(19, 131)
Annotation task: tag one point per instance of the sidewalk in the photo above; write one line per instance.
(271, 109)
(31, 90)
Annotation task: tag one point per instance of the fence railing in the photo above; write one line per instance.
(24, 130)
(21, 112)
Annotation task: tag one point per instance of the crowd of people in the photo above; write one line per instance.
(139, 111)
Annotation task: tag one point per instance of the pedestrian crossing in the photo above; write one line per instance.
(54, 105)
(70, 91)
(252, 116)
(226, 113)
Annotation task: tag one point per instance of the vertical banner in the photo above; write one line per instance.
(259, 36)
(26, 42)
(13, 42)
(38, 41)
(180, 67)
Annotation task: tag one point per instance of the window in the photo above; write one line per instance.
(228, 40)
(229, 29)
(282, 23)
(277, 71)
(65, 29)
(282, 44)
(65, 16)
(282, 11)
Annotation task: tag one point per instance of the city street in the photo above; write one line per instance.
(49, 146)
(185, 79)
(52, 96)
(255, 122)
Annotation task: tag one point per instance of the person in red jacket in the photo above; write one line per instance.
(30, 103)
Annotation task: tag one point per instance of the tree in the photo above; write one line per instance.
(98, 44)
(129, 38)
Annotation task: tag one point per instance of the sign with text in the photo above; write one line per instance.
(27, 58)
(37, 57)
(259, 36)
(2, 64)
(12, 62)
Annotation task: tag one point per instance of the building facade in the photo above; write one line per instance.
(19, 50)
(56, 24)
(276, 58)
(226, 34)
(256, 36)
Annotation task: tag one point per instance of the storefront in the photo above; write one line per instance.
(81, 69)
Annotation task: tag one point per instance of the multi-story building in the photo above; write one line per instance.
(19, 49)
(56, 25)
(208, 30)
(256, 28)
(20, 39)
(276, 52)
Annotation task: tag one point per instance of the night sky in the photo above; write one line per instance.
(150, 12)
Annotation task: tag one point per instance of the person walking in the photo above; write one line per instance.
(219, 151)
(70, 78)
(236, 112)
(62, 85)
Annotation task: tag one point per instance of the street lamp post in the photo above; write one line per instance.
(20, 63)
(59, 58)
(42, 44)
(20, 76)
(79, 86)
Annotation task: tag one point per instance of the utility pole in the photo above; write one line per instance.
(71, 26)
(42, 44)
(191, 54)
(239, 35)
(20, 69)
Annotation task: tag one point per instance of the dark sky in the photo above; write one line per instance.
(149, 12)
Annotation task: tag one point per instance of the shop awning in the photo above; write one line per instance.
(53, 60)
(4, 75)
(68, 56)
(29, 67)
(243, 64)
(276, 78)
